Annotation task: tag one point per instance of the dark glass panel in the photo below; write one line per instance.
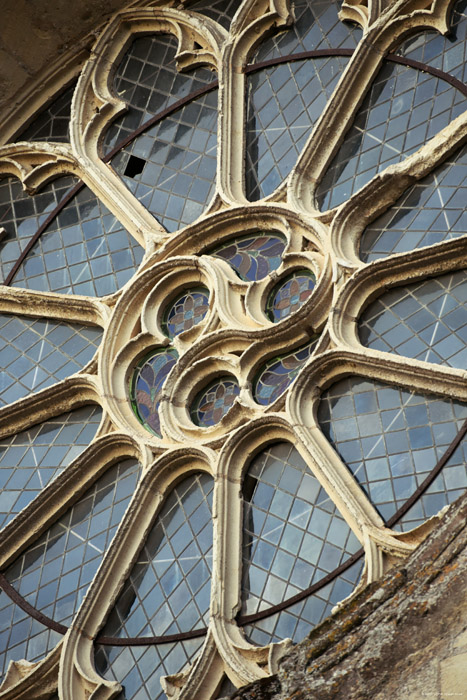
(52, 123)
(21, 215)
(426, 320)
(431, 211)
(221, 11)
(284, 102)
(186, 311)
(177, 163)
(146, 387)
(404, 108)
(254, 256)
(290, 294)
(316, 26)
(54, 573)
(226, 689)
(390, 439)
(32, 458)
(214, 401)
(293, 533)
(169, 588)
(147, 79)
(296, 621)
(84, 250)
(35, 353)
(279, 372)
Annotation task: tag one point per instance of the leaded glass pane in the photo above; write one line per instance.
(427, 321)
(146, 387)
(221, 11)
(279, 373)
(293, 533)
(186, 311)
(431, 211)
(284, 102)
(226, 689)
(147, 79)
(404, 108)
(290, 294)
(52, 123)
(139, 668)
(296, 621)
(171, 168)
(36, 353)
(22, 637)
(32, 458)
(169, 588)
(84, 250)
(316, 26)
(54, 573)
(447, 53)
(390, 438)
(253, 257)
(21, 215)
(214, 401)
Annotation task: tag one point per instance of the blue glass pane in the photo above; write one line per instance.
(316, 26)
(186, 311)
(431, 211)
(171, 168)
(147, 79)
(146, 387)
(54, 573)
(293, 533)
(284, 102)
(35, 353)
(169, 588)
(280, 372)
(426, 320)
(84, 250)
(52, 123)
(390, 439)
(252, 257)
(213, 402)
(32, 458)
(404, 108)
(221, 11)
(290, 294)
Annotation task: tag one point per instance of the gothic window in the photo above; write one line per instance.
(232, 316)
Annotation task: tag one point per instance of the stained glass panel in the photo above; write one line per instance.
(252, 257)
(390, 439)
(290, 294)
(293, 533)
(146, 387)
(213, 402)
(284, 102)
(52, 123)
(32, 458)
(431, 211)
(36, 353)
(426, 320)
(186, 311)
(279, 373)
(404, 108)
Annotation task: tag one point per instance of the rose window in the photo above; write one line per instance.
(234, 340)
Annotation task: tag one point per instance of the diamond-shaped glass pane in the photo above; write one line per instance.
(54, 573)
(426, 320)
(316, 26)
(390, 438)
(147, 79)
(30, 459)
(139, 668)
(171, 168)
(169, 588)
(35, 353)
(84, 250)
(431, 211)
(293, 533)
(52, 123)
(404, 108)
(221, 11)
(284, 102)
(252, 257)
(274, 378)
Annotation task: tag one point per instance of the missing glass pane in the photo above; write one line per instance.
(135, 166)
